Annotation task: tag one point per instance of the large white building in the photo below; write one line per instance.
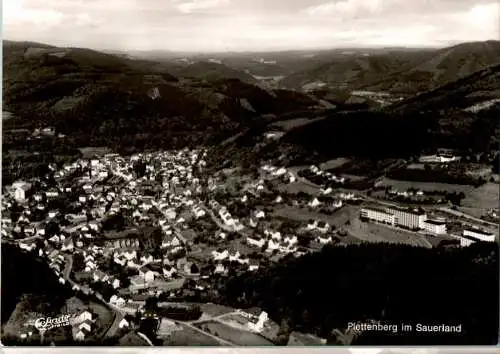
(408, 218)
(479, 235)
(435, 226)
(439, 158)
(377, 214)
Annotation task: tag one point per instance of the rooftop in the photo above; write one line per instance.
(435, 222)
(414, 211)
(478, 231)
(378, 210)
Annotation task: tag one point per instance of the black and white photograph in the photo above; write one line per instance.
(250, 173)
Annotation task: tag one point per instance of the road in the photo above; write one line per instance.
(357, 232)
(119, 314)
(192, 324)
(28, 238)
(220, 340)
(467, 216)
(304, 180)
(220, 224)
(143, 336)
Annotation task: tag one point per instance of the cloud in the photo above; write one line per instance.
(188, 6)
(208, 25)
(14, 13)
(346, 7)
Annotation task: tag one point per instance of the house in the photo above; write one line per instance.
(81, 334)
(253, 222)
(29, 245)
(259, 325)
(219, 256)
(312, 224)
(260, 214)
(198, 212)
(323, 239)
(116, 300)
(326, 191)
(337, 204)
(100, 276)
(291, 240)
(256, 241)
(84, 316)
(234, 257)
(147, 274)
(86, 325)
(238, 226)
(220, 269)
(272, 246)
(222, 235)
(116, 284)
(168, 272)
(123, 324)
(314, 203)
(275, 235)
(253, 265)
(323, 227)
(21, 190)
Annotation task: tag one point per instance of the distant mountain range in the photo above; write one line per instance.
(102, 99)
(400, 71)
(105, 99)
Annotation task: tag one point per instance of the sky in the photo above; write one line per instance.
(249, 25)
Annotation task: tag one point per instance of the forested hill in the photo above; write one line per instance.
(24, 274)
(322, 292)
(99, 99)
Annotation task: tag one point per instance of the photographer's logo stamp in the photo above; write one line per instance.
(46, 323)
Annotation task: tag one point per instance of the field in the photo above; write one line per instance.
(105, 317)
(484, 197)
(270, 330)
(477, 200)
(372, 232)
(88, 152)
(21, 316)
(297, 187)
(333, 163)
(186, 336)
(338, 218)
(415, 166)
(426, 186)
(293, 123)
(215, 310)
(233, 335)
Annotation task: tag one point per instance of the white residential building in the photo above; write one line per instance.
(376, 214)
(479, 234)
(435, 226)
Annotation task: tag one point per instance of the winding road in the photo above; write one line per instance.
(119, 314)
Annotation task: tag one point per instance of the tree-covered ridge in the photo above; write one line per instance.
(323, 292)
(101, 99)
(24, 274)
